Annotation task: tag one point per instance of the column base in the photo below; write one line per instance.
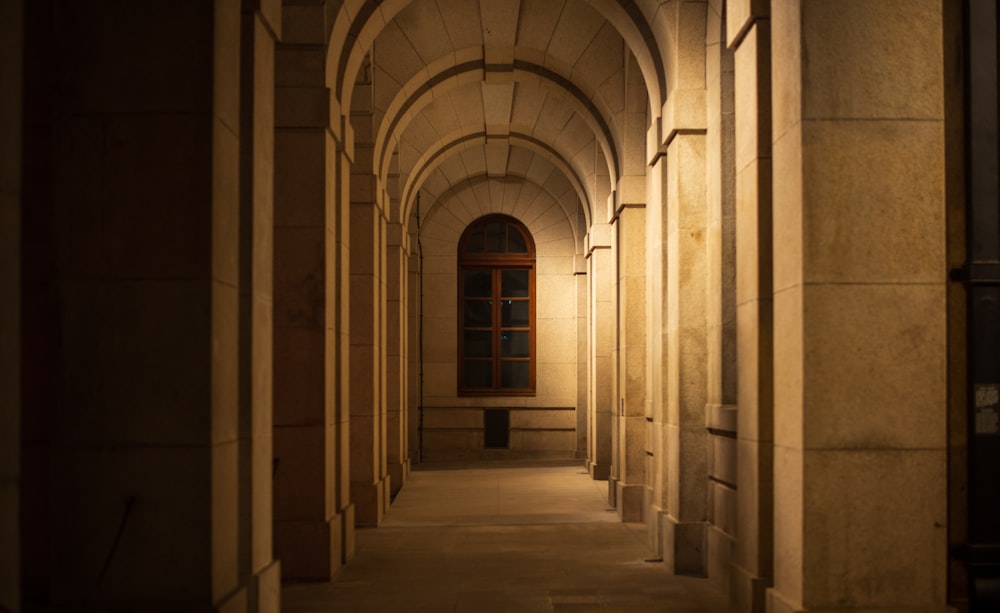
(347, 533)
(265, 589)
(386, 488)
(370, 501)
(398, 472)
(309, 550)
(653, 513)
(776, 603)
(630, 502)
(683, 546)
(234, 603)
(598, 472)
(720, 557)
(747, 591)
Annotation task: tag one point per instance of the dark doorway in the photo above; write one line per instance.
(496, 428)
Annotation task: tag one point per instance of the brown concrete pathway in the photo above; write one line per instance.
(505, 540)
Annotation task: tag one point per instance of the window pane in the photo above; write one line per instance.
(496, 315)
(514, 374)
(515, 283)
(477, 373)
(515, 313)
(516, 242)
(515, 344)
(475, 242)
(496, 237)
(478, 283)
(478, 313)
(478, 344)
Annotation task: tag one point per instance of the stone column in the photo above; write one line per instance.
(131, 430)
(397, 379)
(582, 355)
(11, 41)
(340, 158)
(581, 263)
(369, 474)
(257, 565)
(682, 276)
(312, 521)
(601, 403)
(413, 354)
(630, 248)
(617, 448)
(684, 433)
(749, 35)
(368, 448)
(722, 262)
(630, 459)
(859, 307)
(656, 486)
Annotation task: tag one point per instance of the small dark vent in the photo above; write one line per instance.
(496, 428)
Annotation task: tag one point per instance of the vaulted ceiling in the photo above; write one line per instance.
(557, 94)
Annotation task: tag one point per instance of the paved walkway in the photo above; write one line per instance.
(503, 540)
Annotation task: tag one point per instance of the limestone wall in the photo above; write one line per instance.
(540, 426)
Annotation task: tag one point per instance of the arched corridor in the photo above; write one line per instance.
(261, 261)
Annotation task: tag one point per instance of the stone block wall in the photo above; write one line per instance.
(540, 426)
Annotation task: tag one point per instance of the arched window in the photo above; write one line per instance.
(496, 321)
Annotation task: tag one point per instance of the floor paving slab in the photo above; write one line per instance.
(503, 538)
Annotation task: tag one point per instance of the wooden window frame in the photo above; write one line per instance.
(496, 263)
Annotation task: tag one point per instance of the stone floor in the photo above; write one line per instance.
(503, 539)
